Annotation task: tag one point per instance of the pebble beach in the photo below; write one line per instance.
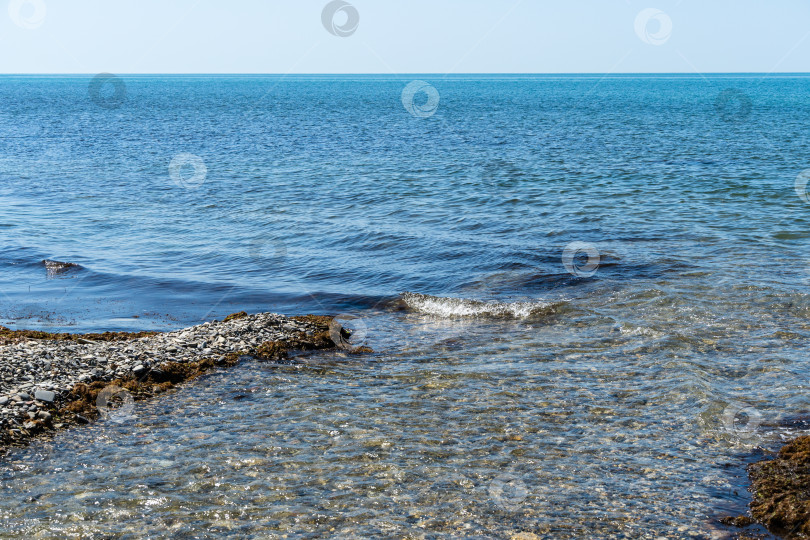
(41, 377)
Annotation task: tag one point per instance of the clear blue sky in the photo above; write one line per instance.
(404, 36)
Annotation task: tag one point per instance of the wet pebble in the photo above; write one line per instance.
(44, 395)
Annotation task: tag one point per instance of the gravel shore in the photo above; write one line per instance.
(50, 381)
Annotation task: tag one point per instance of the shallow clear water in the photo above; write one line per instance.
(622, 403)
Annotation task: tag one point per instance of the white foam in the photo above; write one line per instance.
(463, 307)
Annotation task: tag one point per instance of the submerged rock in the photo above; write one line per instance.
(781, 490)
(58, 267)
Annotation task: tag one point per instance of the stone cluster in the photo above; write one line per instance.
(37, 376)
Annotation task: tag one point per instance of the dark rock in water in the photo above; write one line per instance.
(56, 267)
(796, 422)
(81, 419)
(781, 487)
(739, 521)
(59, 264)
(339, 335)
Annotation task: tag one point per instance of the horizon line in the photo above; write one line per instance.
(433, 74)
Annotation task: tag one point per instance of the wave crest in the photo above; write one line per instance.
(464, 307)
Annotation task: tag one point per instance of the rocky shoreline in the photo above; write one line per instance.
(781, 490)
(51, 381)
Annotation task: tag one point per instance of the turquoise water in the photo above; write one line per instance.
(587, 297)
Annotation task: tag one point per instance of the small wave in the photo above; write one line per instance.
(463, 307)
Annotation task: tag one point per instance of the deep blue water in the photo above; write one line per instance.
(325, 194)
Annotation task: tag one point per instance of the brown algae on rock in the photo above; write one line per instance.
(781, 489)
(84, 398)
(273, 351)
(12, 336)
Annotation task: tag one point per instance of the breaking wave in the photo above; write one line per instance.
(463, 307)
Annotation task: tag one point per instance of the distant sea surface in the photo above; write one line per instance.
(587, 296)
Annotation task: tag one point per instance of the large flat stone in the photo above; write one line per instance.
(44, 395)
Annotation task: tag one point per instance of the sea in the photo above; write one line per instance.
(587, 297)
